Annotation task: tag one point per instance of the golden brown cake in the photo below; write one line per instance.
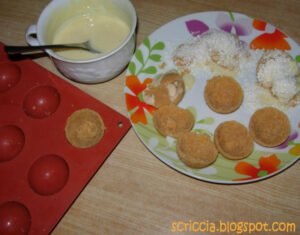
(170, 120)
(84, 128)
(175, 86)
(196, 150)
(223, 94)
(233, 140)
(166, 90)
(269, 127)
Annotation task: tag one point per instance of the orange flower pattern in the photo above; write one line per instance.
(269, 40)
(267, 165)
(134, 102)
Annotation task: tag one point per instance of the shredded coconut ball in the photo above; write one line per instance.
(279, 72)
(225, 49)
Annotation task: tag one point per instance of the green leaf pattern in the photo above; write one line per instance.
(139, 56)
(132, 67)
(143, 56)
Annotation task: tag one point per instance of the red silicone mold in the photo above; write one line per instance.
(41, 174)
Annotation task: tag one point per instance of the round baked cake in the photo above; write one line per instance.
(233, 140)
(269, 127)
(170, 120)
(196, 150)
(168, 89)
(223, 94)
(84, 128)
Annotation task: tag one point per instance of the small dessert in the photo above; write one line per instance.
(223, 94)
(269, 127)
(175, 85)
(233, 140)
(170, 120)
(84, 128)
(279, 72)
(215, 46)
(196, 150)
(166, 90)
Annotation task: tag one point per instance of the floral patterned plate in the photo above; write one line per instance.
(146, 65)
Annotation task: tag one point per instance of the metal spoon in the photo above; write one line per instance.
(20, 49)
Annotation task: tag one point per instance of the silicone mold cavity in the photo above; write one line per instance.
(10, 75)
(48, 175)
(12, 141)
(41, 102)
(15, 218)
